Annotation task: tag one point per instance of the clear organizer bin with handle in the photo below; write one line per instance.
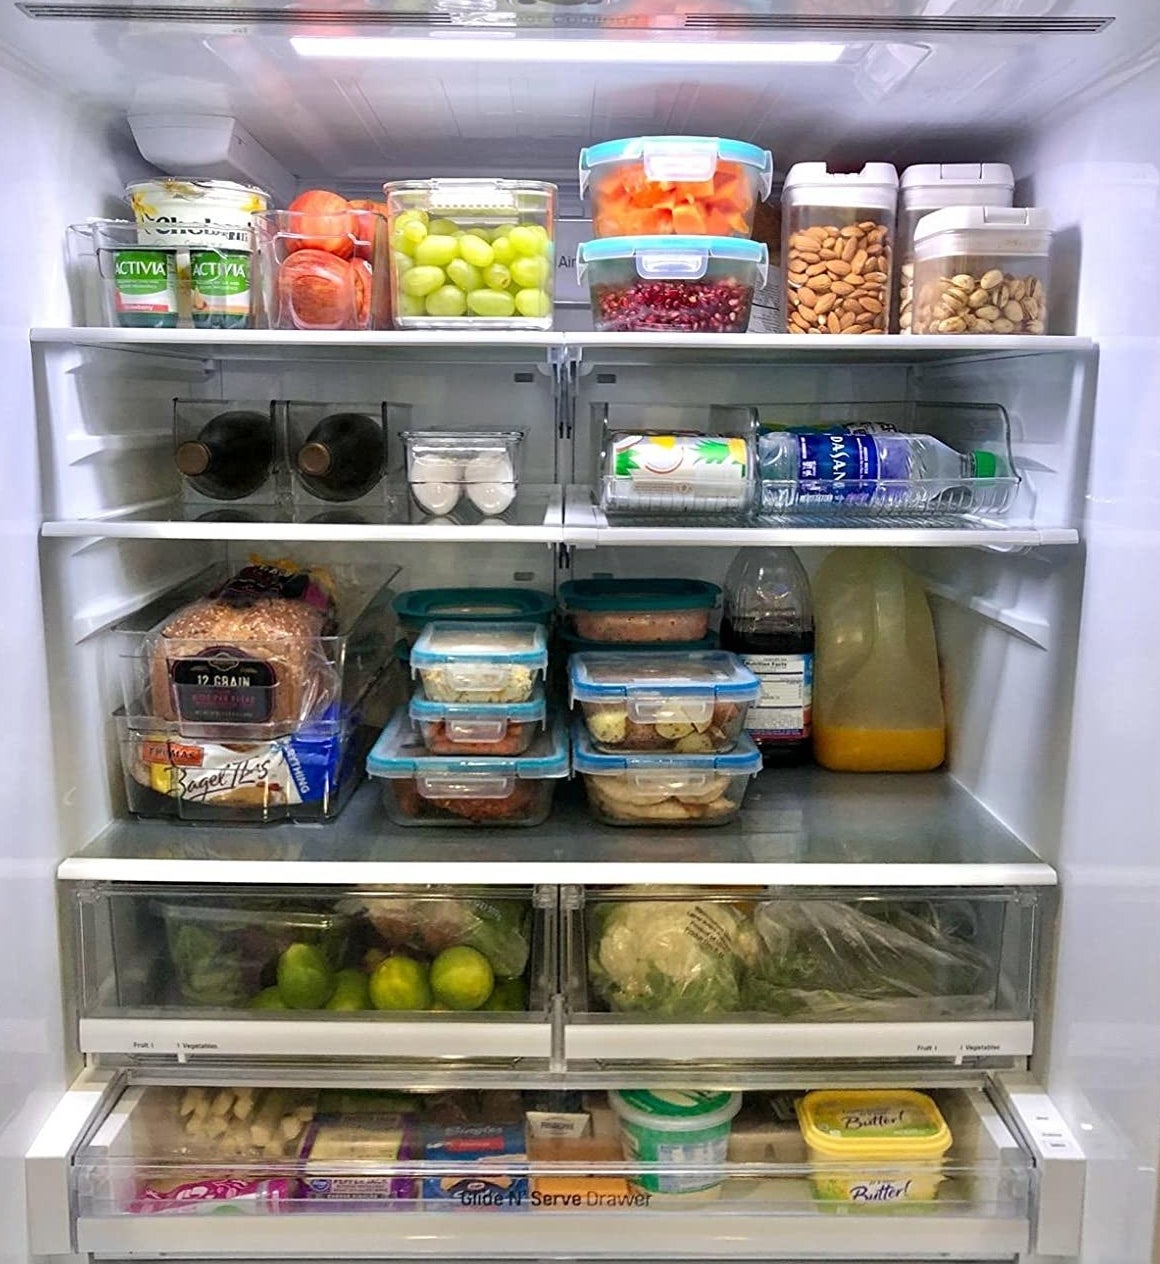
(886, 459)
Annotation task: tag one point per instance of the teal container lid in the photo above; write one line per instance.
(399, 752)
(639, 594)
(744, 760)
(480, 605)
(678, 157)
(423, 708)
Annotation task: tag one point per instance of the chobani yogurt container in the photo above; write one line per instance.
(196, 212)
(873, 1147)
(684, 1130)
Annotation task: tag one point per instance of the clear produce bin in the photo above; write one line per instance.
(677, 284)
(444, 466)
(684, 185)
(421, 606)
(478, 728)
(619, 611)
(472, 254)
(480, 662)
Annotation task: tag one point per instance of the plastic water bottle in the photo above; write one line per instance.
(901, 472)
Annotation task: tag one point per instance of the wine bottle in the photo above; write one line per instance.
(231, 457)
(343, 457)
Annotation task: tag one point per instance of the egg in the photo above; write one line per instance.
(489, 467)
(491, 498)
(436, 498)
(430, 467)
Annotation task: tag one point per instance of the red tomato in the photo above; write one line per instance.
(321, 220)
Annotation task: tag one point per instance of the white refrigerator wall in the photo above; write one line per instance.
(57, 165)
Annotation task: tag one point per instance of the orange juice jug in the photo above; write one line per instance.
(877, 701)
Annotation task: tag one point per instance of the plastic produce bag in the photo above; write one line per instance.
(823, 959)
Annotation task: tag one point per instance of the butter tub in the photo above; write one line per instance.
(874, 1147)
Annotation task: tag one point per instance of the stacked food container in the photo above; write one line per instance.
(673, 217)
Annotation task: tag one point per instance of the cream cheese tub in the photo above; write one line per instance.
(194, 213)
(873, 1147)
(686, 1130)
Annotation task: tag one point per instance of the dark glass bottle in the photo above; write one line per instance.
(231, 457)
(343, 457)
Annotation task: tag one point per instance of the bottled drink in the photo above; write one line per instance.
(231, 457)
(903, 472)
(769, 622)
(343, 457)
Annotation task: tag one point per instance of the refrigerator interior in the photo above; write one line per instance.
(1046, 651)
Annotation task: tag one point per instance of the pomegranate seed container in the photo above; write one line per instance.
(676, 284)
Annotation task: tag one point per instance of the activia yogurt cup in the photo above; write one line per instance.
(682, 1129)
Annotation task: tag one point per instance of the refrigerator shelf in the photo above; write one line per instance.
(799, 827)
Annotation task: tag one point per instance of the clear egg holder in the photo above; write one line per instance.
(464, 473)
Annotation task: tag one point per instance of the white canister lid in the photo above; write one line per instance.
(970, 230)
(814, 184)
(937, 184)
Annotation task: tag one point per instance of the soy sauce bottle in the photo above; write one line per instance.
(769, 624)
(231, 456)
(343, 457)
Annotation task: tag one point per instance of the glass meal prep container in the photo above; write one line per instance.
(664, 789)
(982, 270)
(472, 254)
(690, 185)
(480, 662)
(486, 790)
(682, 703)
(643, 473)
(677, 284)
(478, 728)
(646, 610)
(444, 466)
(421, 606)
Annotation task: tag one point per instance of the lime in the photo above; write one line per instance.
(305, 977)
(268, 998)
(510, 996)
(462, 977)
(351, 991)
(400, 983)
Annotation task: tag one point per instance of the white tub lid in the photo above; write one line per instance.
(937, 184)
(1014, 229)
(876, 183)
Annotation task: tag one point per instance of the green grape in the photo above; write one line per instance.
(476, 251)
(540, 231)
(403, 265)
(501, 247)
(421, 281)
(524, 241)
(491, 303)
(533, 303)
(530, 273)
(401, 243)
(407, 217)
(444, 227)
(409, 306)
(412, 231)
(437, 249)
(446, 301)
(462, 274)
(497, 277)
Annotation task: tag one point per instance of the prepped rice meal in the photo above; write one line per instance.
(629, 611)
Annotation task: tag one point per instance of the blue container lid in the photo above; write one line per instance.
(518, 644)
(744, 760)
(603, 594)
(678, 157)
(481, 605)
(423, 708)
(699, 675)
(675, 258)
(399, 752)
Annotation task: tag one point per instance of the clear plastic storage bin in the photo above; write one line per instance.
(982, 270)
(472, 254)
(480, 662)
(620, 611)
(226, 450)
(677, 284)
(421, 606)
(440, 790)
(684, 185)
(930, 187)
(444, 466)
(837, 243)
(685, 703)
(664, 789)
(337, 452)
(644, 473)
(478, 728)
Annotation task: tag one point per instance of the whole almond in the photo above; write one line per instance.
(838, 268)
(806, 296)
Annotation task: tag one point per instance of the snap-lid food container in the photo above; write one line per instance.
(639, 610)
(687, 1130)
(837, 244)
(472, 253)
(874, 1147)
(422, 789)
(447, 466)
(480, 662)
(930, 187)
(687, 703)
(421, 606)
(677, 284)
(982, 270)
(478, 728)
(664, 789)
(690, 185)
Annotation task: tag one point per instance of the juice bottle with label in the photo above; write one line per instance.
(769, 622)
(877, 701)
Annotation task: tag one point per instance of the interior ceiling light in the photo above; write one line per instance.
(513, 48)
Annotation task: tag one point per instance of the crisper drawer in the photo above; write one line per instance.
(504, 1174)
(661, 975)
(416, 972)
